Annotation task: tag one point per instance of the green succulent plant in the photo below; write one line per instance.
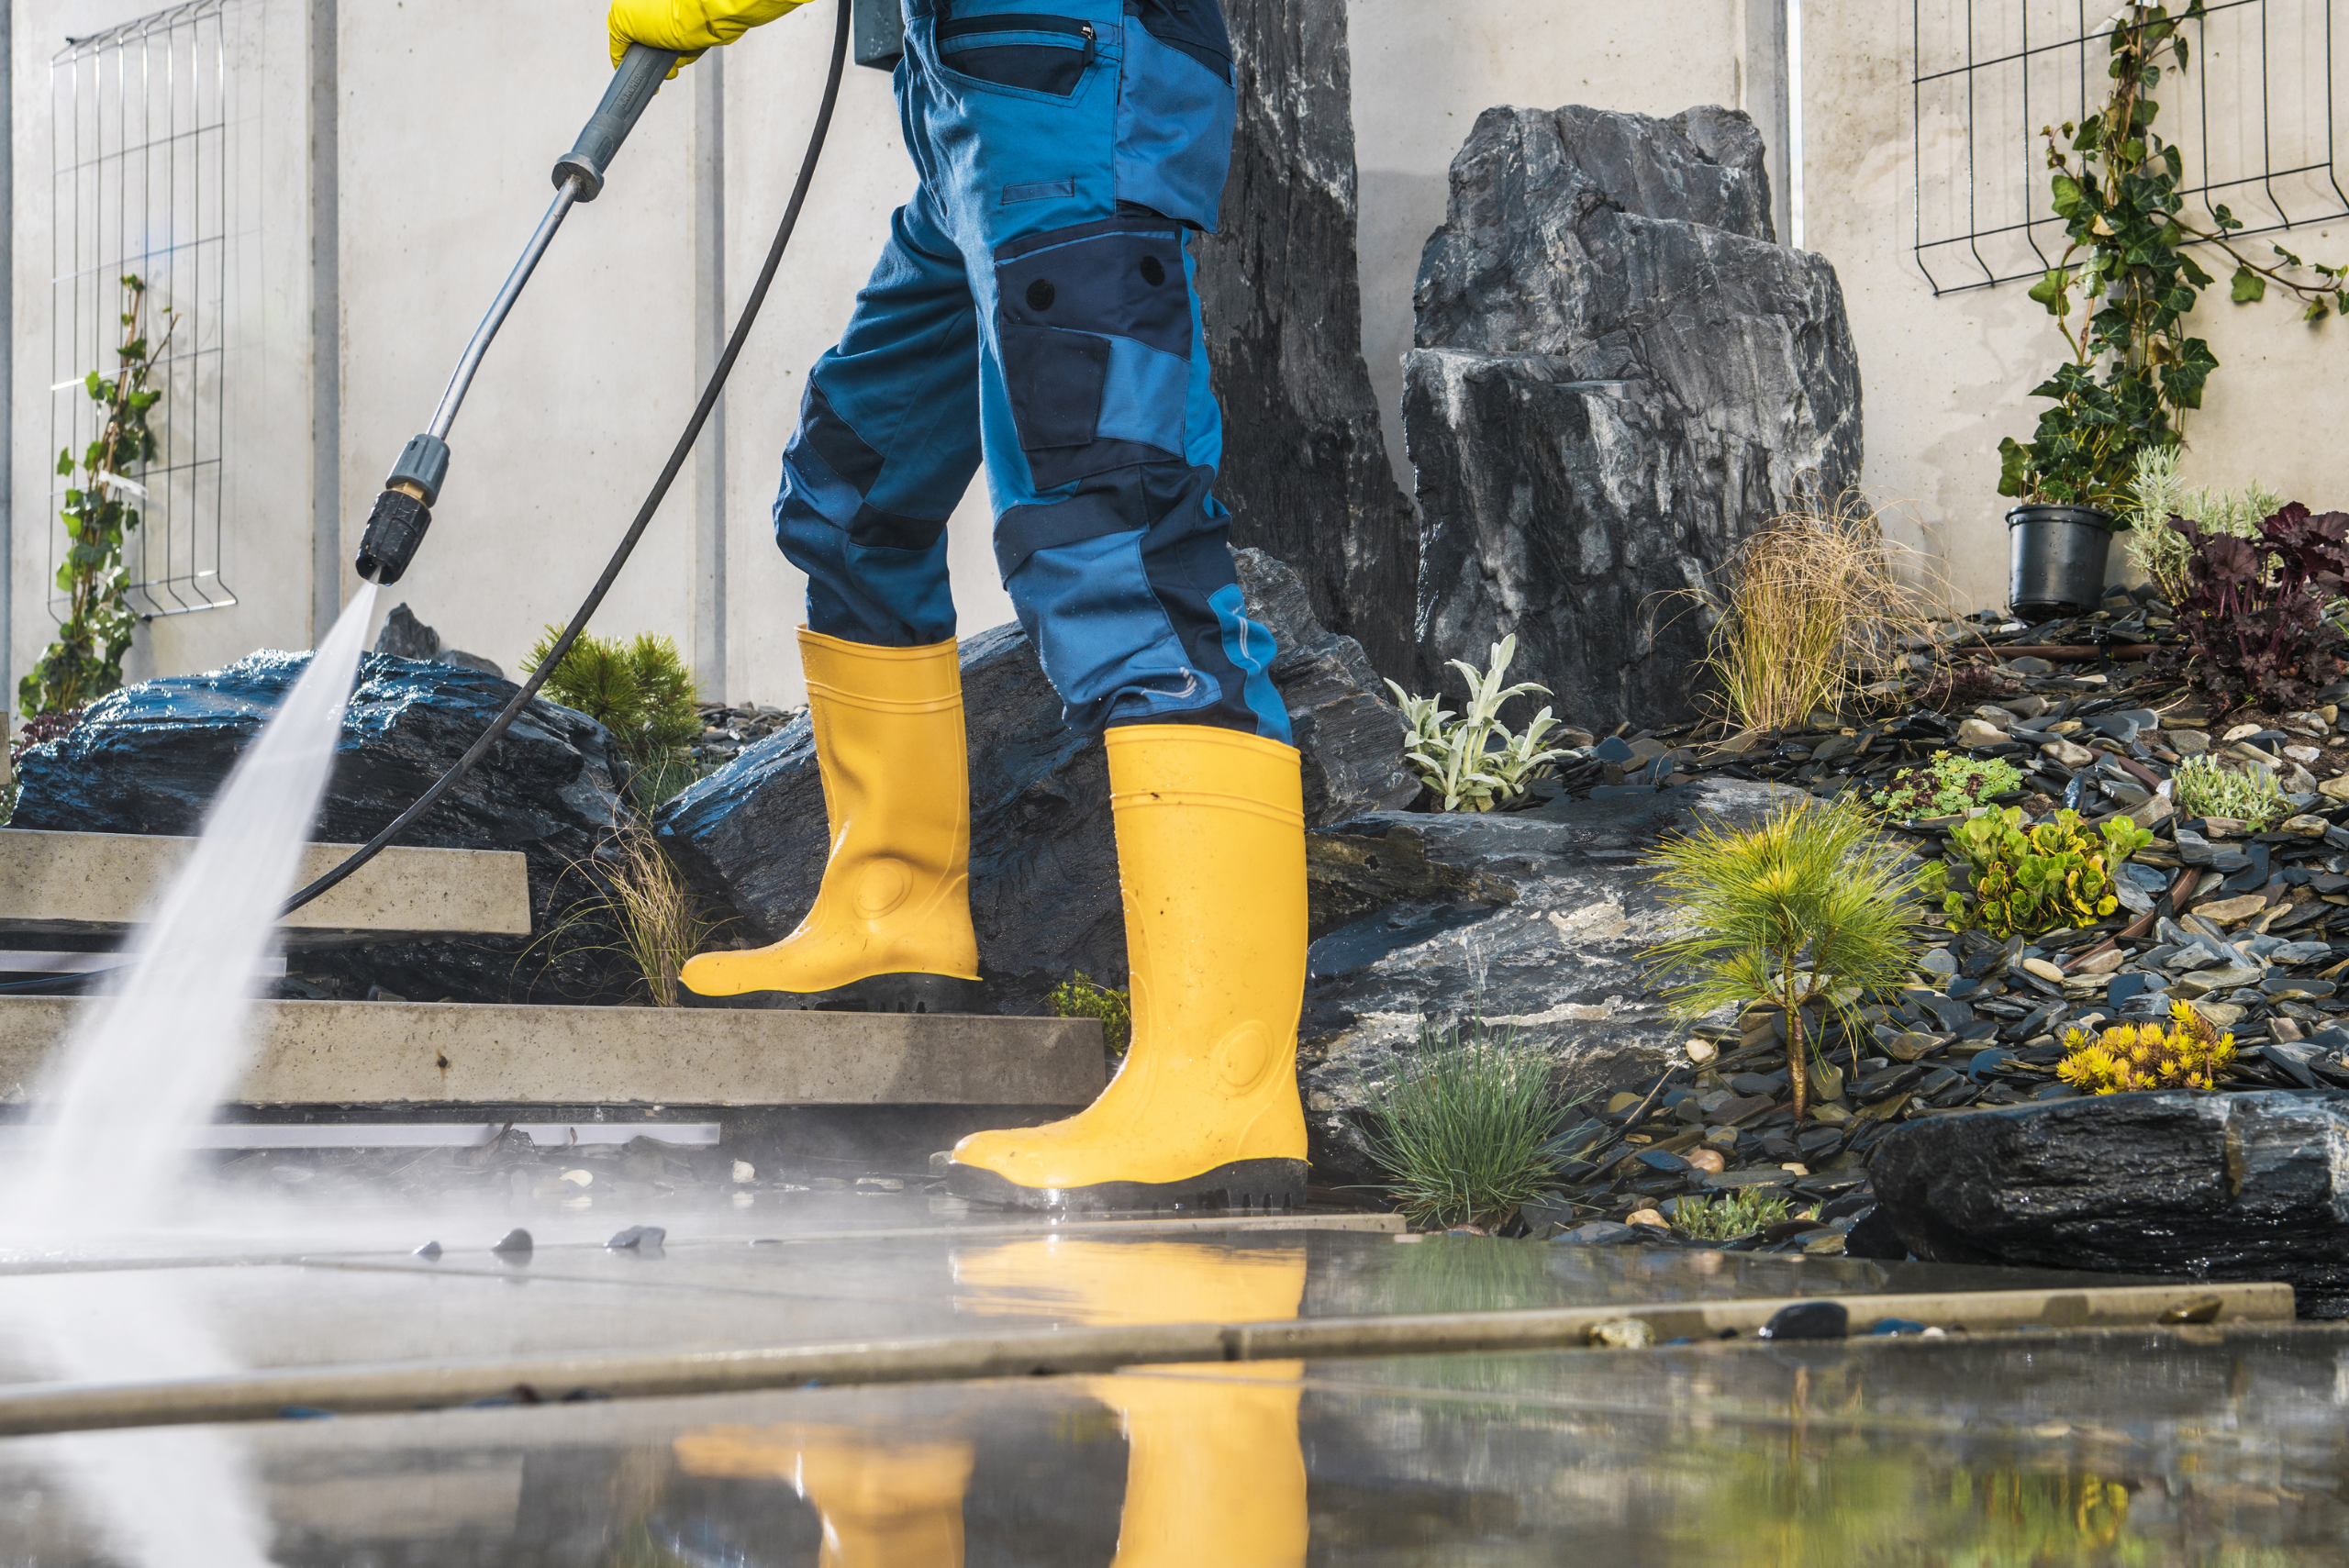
(1730, 1215)
(2010, 880)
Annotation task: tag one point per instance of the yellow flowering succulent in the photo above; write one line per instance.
(2189, 1054)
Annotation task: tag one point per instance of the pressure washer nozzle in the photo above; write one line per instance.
(403, 511)
(395, 528)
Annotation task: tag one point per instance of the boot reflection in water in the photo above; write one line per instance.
(884, 1504)
(1214, 1473)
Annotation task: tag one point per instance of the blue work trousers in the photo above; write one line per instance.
(1033, 312)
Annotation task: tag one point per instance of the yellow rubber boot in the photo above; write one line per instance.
(1204, 1111)
(1214, 1473)
(884, 1504)
(894, 911)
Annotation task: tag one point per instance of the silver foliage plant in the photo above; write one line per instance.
(1472, 759)
(2159, 551)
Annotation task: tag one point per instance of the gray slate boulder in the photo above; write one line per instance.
(1618, 375)
(1537, 919)
(752, 836)
(404, 636)
(2247, 1186)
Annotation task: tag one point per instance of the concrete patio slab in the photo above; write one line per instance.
(99, 884)
(432, 1054)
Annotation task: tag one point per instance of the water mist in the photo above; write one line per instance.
(164, 1045)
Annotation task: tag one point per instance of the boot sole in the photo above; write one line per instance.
(879, 993)
(1241, 1187)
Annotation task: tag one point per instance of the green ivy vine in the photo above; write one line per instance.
(2124, 287)
(85, 660)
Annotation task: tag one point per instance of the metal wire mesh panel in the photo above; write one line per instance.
(145, 139)
(2253, 116)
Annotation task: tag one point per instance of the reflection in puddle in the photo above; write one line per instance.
(2191, 1448)
(166, 1498)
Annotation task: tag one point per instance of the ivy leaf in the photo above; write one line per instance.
(2249, 288)
(2054, 291)
(2318, 309)
(2064, 192)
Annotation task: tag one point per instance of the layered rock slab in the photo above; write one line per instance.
(2227, 1186)
(1618, 375)
(752, 836)
(1305, 469)
(149, 758)
(1536, 921)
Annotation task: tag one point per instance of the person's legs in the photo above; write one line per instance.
(1070, 153)
(886, 444)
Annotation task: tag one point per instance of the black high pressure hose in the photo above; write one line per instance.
(669, 472)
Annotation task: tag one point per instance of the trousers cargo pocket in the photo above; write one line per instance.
(1041, 54)
(1054, 380)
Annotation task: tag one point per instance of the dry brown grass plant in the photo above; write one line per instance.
(1815, 610)
(642, 898)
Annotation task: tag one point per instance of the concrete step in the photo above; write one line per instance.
(96, 885)
(419, 1054)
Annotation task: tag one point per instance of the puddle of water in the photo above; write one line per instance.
(2151, 1451)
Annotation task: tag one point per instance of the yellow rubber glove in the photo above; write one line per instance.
(688, 27)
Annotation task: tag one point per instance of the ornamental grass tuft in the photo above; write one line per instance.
(2191, 1054)
(1460, 1128)
(1815, 610)
(1810, 905)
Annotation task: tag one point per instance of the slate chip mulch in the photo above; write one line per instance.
(2251, 928)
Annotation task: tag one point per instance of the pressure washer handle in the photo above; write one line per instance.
(642, 72)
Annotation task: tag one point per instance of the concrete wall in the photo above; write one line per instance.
(1947, 377)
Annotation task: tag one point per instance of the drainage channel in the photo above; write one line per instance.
(411, 1386)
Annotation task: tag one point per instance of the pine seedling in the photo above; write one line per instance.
(642, 692)
(1810, 906)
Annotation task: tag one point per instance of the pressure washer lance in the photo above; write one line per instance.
(391, 538)
(405, 508)
(403, 511)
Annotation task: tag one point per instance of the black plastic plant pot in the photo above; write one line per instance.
(2057, 558)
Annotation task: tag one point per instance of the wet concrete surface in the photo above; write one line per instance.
(2185, 1446)
(849, 1269)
